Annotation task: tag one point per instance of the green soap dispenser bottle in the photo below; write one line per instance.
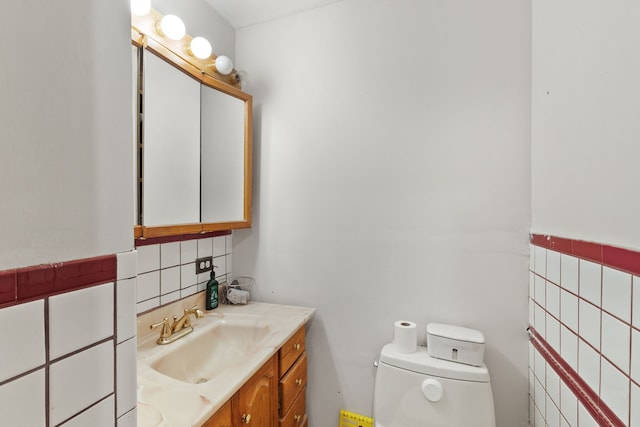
(212, 292)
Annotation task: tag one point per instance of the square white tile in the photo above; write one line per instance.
(540, 397)
(126, 309)
(569, 310)
(531, 312)
(173, 296)
(219, 246)
(148, 286)
(616, 342)
(221, 265)
(188, 276)
(169, 280)
(569, 347)
(540, 321)
(635, 405)
(22, 402)
(130, 419)
(540, 367)
(540, 261)
(80, 318)
(552, 298)
(532, 257)
(590, 323)
(169, 254)
(127, 265)
(532, 287)
(569, 273)
(553, 267)
(23, 348)
(568, 405)
(590, 281)
(147, 305)
(148, 258)
(636, 302)
(540, 290)
(79, 381)
(229, 243)
(205, 247)
(188, 291)
(126, 377)
(589, 365)
(553, 332)
(615, 390)
(188, 251)
(100, 415)
(553, 385)
(616, 293)
(635, 355)
(553, 414)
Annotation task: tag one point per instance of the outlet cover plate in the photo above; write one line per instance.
(204, 264)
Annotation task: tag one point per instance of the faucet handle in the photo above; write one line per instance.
(166, 328)
(195, 310)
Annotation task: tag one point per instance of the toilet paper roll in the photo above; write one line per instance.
(405, 336)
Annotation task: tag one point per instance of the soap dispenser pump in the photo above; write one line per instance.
(212, 292)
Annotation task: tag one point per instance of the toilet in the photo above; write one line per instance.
(419, 390)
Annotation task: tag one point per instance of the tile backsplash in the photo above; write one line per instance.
(167, 271)
(584, 308)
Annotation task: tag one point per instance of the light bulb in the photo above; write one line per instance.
(172, 27)
(224, 65)
(140, 7)
(200, 47)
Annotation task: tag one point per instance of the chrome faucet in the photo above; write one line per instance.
(179, 328)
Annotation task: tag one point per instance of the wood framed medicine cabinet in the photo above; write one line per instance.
(193, 144)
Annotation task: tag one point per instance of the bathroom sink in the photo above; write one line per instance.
(206, 353)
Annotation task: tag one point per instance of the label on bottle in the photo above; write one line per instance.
(213, 302)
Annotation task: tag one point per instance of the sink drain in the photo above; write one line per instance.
(201, 381)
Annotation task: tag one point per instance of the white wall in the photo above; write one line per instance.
(393, 182)
(65, 131)
(586, 104)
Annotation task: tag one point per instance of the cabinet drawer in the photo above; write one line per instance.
(297, 414)
(290, 351)
(293, 383)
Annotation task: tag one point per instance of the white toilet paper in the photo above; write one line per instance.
(405, 336)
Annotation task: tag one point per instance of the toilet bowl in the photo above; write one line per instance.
(417, 390)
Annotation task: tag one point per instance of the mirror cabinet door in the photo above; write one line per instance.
(171, 145)
(222, 157)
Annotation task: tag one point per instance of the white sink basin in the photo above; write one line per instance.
(207, 353)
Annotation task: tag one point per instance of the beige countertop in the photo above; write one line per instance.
(165, 401)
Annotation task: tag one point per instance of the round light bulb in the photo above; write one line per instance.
(200, 47)
(140, 7)
(224, 65)
(173, 27)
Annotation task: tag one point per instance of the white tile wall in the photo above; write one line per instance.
(167, 270)
(126, 309)
(79, 381)
(588, 320)
(129, 419)
(22, 348)
(78, 319)
(127, 263)
(22, 402)
(99, 415)
(126, 377)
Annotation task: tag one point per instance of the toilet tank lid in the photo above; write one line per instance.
(422, 363)
(455, 333)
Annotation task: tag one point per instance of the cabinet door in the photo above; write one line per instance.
(222, 418)
(258, 398)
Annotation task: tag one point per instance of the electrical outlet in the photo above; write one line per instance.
(204, 264)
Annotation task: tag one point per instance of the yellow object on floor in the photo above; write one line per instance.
(349, 419)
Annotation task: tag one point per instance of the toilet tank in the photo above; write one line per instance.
(455, 343)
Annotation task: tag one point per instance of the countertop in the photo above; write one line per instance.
(165, 401)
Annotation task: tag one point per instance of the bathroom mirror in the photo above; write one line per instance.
(194, 162)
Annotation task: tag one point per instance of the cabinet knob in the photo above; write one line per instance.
(298, 381)
(296, 347)
(246, 418)
(297, 418)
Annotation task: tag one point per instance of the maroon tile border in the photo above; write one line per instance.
(589, 398)
(144, 241)
(29, 283)
(610, 256)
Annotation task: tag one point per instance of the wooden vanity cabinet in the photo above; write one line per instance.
(274, 396)
(255, 404)
(292, 368)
